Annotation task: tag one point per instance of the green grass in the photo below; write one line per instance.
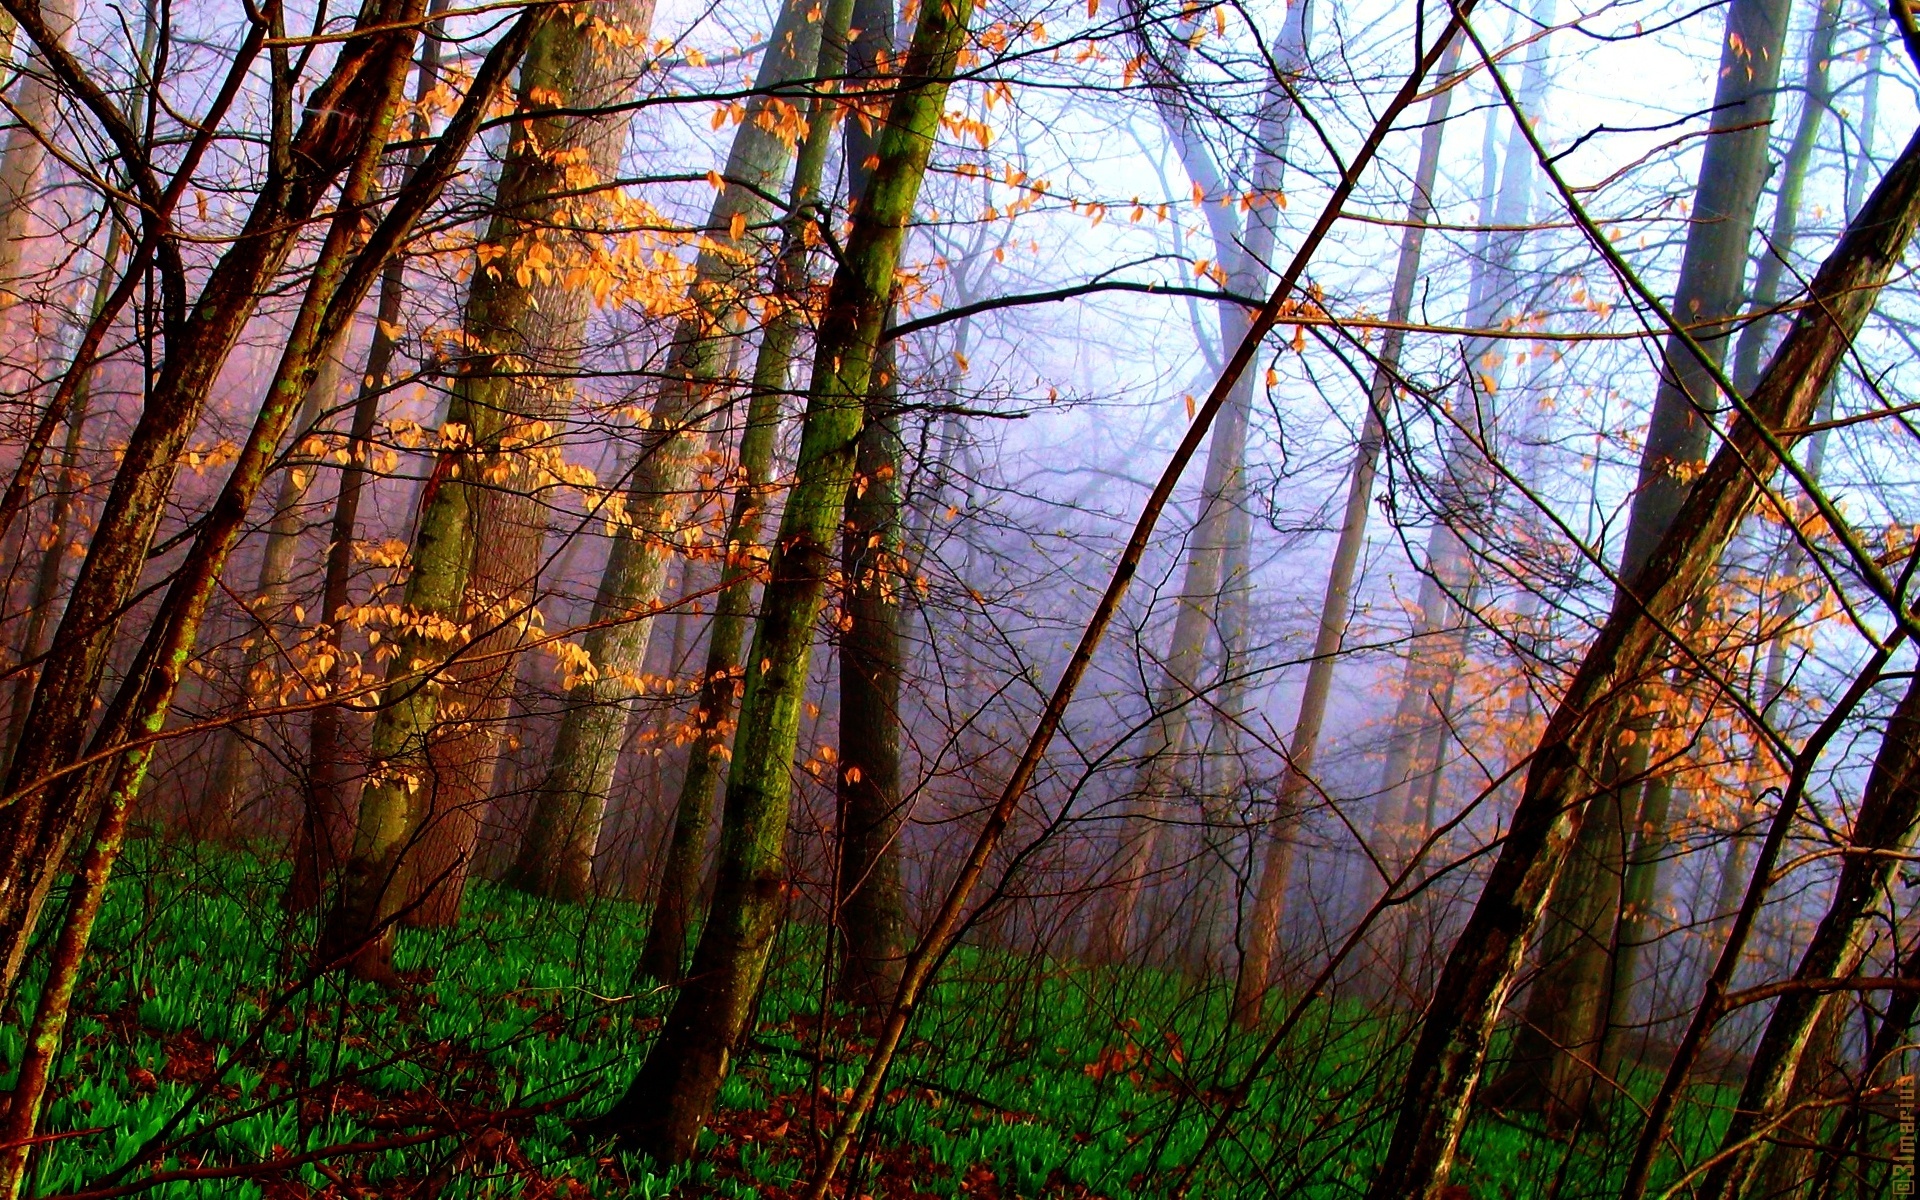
(1020, 1078)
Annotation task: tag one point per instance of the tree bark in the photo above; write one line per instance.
(663, 1111)
(1245, 253)
(324, 837)
(53, 560)
(1480, 971)
(1556, 1053)
(571, 801)
(523, 327)
(722, 680)
(1881, 833)
(24, 156)
(1263, 936)
(234, 777)
(871, 902)
(373, 64)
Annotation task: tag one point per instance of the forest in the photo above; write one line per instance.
(893, 599)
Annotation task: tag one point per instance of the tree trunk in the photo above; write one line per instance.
(1554, 1066)
(37, 826)
(234, 777)
(1882, 832)
(870, 901)
(53, 560)
(1794, 599)
(571, 800)
(1480, 971)
(1246, 253)
(25, 152)
(325, 834)
(721, 682)
(523, 328)
(1263, 935)
(663, 1111)
(373, 64)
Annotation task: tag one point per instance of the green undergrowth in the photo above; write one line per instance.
(196, 1034)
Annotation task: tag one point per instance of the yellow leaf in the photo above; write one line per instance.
(1189, 399)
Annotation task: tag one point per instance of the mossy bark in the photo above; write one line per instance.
(1480, 971)
(664, 1109)
(721, 681)
(556, 858)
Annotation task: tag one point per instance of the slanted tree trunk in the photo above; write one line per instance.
(1555, 1061)
(324, 837)
(1882, 832)
(523, 327)
(1481, 969)
(37, 827)
(1263, 937)
(24, 156)
(721, 682)
(663, 1111)
(66, 493)
(570, 802)
(234, 778)
(1245, 252)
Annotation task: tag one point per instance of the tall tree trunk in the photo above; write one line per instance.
(1246, 253)
(233, 778)
(1480, 971)
(325, 834)
(669, 1101)
(1793, 598)
(1652, 837)
(571, 800)
(25, 153)
(868, 901)
(523, 327)
(1263, 935)
(721, 682)
(39, 823)
(871, 903)
(1882, 833)
(1554, 1061)
(66, 493)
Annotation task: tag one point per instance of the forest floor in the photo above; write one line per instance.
(203, 1054)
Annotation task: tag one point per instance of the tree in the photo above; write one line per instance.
(721, 681)
(1556, 1049)
(664, 1109)
(1256, 969)
(556, 858)
(46, 801)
